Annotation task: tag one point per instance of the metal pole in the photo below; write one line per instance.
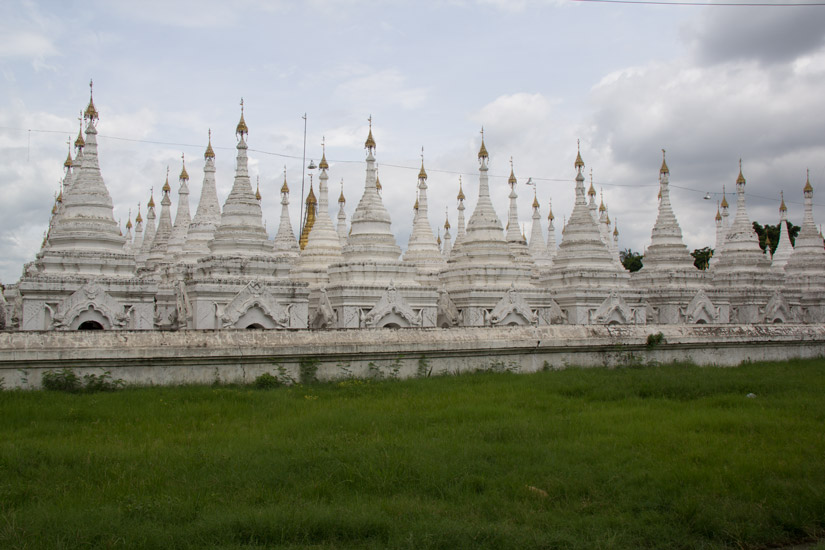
(303, 171)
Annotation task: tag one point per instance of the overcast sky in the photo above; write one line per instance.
(709, 84)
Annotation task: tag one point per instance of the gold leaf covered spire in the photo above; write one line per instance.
(602, 207)
(512, 179)
(579, 162)
(592, 191)
(741, 178)
(370, 143)
(241, 129)
(447, 218)
(91, 112)
(323, 165)
(341, 199)
(138, 218)
(808, 188)
(461, 196)
(210, 153)
(422, 174)
(284, 187)
(166, 188)
(151, 203)
(550, 215)
(664, 169)
(782, 207)
(68, 163)
(482, 151)
(80, 143)
(724, 198)
(184, 175)
(258, 188)
(718, 215)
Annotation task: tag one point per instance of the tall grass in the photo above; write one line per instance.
(668, 457)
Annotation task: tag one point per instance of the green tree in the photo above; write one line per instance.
(701, 257)
(632, 261)
(772, 233)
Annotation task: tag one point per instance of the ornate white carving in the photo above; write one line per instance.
(512, 309)
(701, 310)
(89, 296)
(778, 309)
(613, 310)
(257, 295)
(391, 302)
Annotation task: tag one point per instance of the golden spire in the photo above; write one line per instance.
(808, 188)
(607, 219)
(550, 215)
(341, 199)
(592, 191)
(447, 218)
(535, 200)
(579, 162)
(60, 194)
(370, 143)
(664, 169)
(241, 129)
(129, 220)
(415, 206)
(91, 112)
(258, 188)
(68, 163)
(616, 228)
(323, 165)
(724, 198)
(377, 181)
(166, 187)
(151, 203)
(461, 196)
(184, 175)
(782, 207)
(138, 218)
(741, 178)
(523, 236)
(210, 153)
(309, 220)
(602, 207)
(438, 240)
(80, 142)
(482, 152)
(512, 179)
(422, 174)
(284, 187)
(718, 215)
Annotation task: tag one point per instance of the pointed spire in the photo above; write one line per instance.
(79, 143)
(512, 179)
(323, 165)
(550, 215)
(579, 164)
(138, 218)
(166, 187)
(285, 187)
(592, 191)
(68, 163)
(808, 189)
(422, 174)
(309, 215)
(241, 129)
(664, 169)
(460, 196)
(369, 144)
(724, 199)
(482, 151)
(209, 153)
(718, 215)
(91, 112)
(741, 178)
(341, 199)
(782, 207)
(258, 188)
(184, 175)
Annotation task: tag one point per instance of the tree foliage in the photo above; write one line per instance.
(772, 233)
(701, 257)
(632, 261)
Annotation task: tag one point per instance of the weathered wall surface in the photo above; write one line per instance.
(202, 357)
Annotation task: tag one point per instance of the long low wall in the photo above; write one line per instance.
(203, 357)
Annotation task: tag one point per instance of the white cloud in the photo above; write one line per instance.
(387, 87)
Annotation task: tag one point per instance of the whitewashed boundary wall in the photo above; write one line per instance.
(239, 356)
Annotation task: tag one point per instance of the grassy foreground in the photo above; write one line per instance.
(668, 457)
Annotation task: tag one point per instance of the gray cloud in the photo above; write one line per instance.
(766, 35)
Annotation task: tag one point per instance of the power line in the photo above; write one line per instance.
(401, 166)
(720, 4)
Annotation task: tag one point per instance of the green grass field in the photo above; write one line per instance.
(667, 457)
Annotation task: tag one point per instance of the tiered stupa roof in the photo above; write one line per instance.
(208, 214)
(241, 231)
(667, 252)
(784, 248)
(423, 250)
